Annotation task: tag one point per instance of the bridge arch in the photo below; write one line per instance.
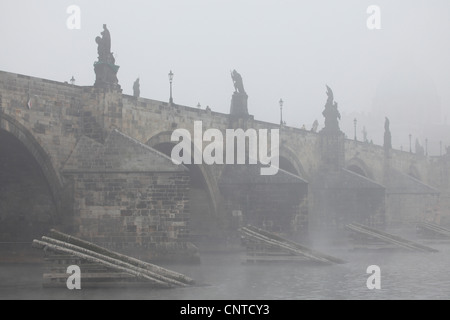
(200, 174)
(30, 187)
(358, 166)
(290, 162)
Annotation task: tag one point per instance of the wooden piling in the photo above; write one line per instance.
(101, 267)
(282, 248)
(388, 238)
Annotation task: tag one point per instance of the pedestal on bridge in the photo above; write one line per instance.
(332, 149)
(239, 105)
(106, 75)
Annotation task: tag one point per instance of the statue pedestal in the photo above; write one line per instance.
(239, 104)
(106, 75)
(332, 149)
(387, 141)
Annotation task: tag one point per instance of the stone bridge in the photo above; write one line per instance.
(93, 161)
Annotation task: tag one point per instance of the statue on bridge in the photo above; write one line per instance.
(419, 149)
(238, 83)
(387, 135)
(105, 68)
(104, 46)
(315, 126)
(106, 38)
(240, 97)
(101, 49)
(136, 89)
(331, 113)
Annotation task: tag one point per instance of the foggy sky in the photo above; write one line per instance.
(283, 49)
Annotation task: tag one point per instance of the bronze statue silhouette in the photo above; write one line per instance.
(386, 125)
(315, 126)
(106, 37)
(136, 88)
(105, 68)
(104, 46)
(387, 135)
(331, 113)
(238, 83)
(102, 55)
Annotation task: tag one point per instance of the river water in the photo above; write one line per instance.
(404, 275)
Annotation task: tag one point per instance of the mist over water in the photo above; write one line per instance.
(404, 275)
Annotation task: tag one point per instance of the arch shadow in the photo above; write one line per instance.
(291, 163)
(22, 134)
(358, 166)
(162, 142)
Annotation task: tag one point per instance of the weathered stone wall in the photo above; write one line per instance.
(128, 196)
(61, 114)
(145, 118)
(142, 212)
(54, 117)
